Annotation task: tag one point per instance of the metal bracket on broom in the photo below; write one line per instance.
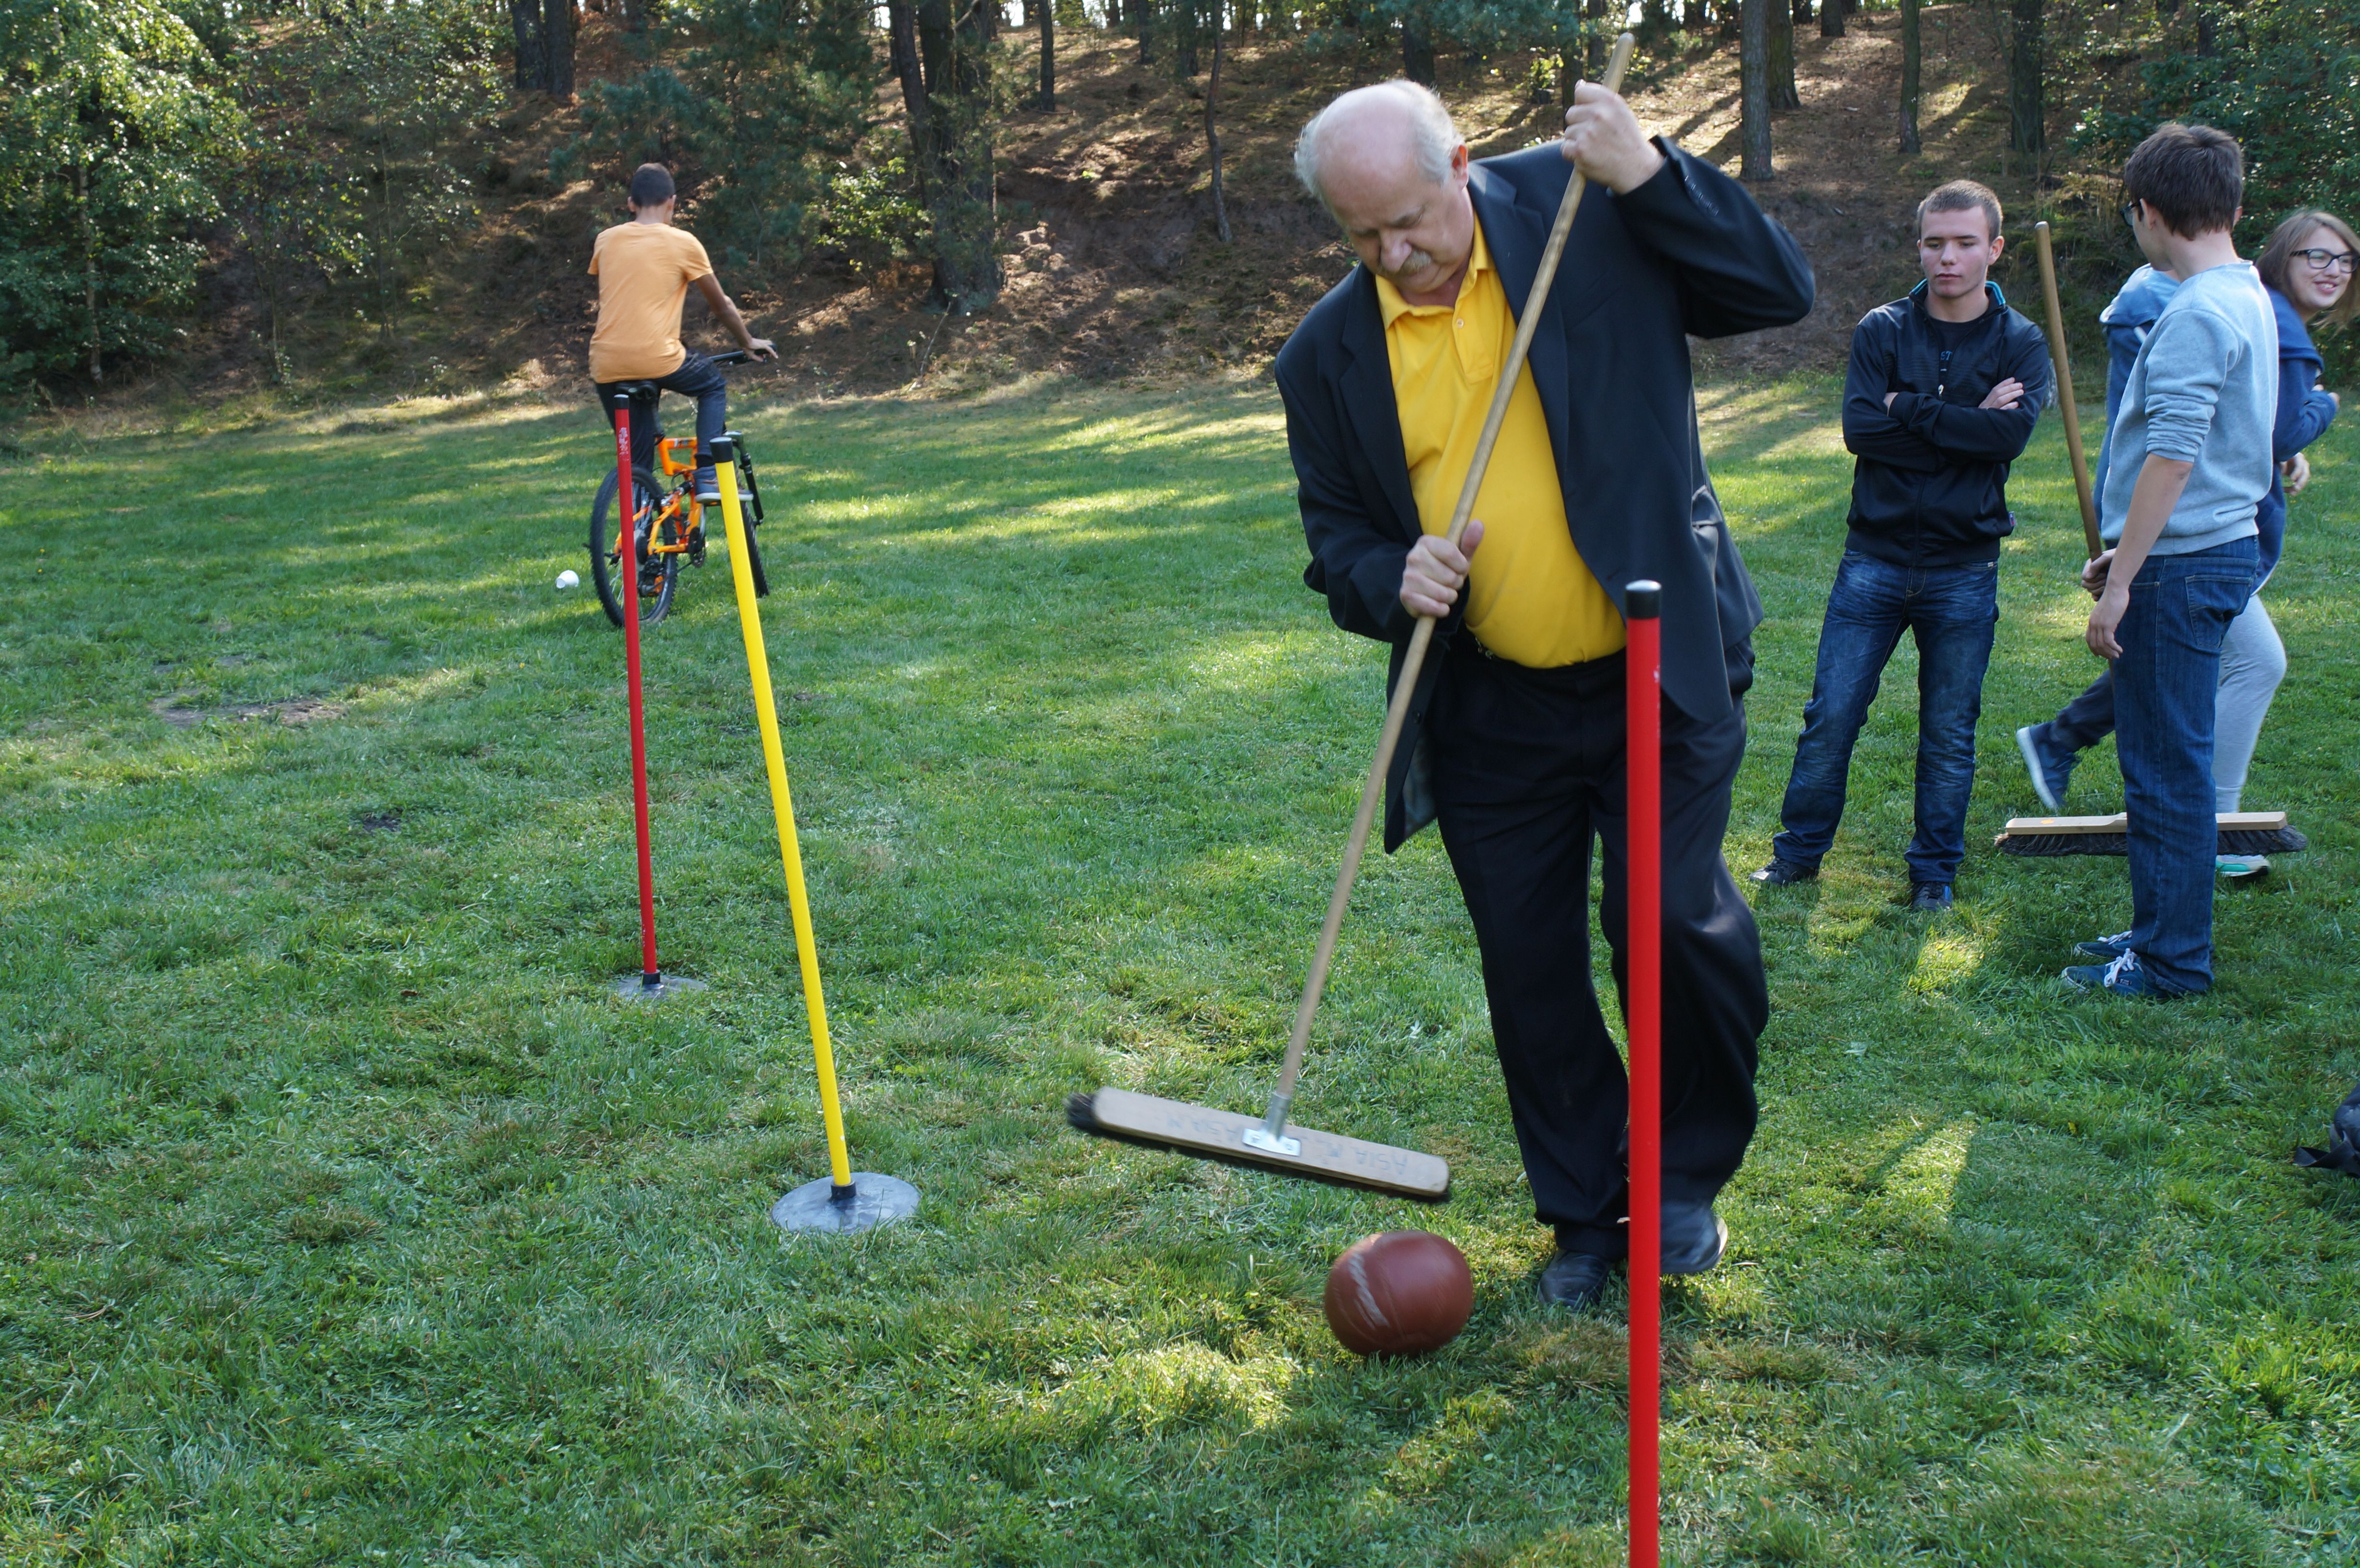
(844, 1200)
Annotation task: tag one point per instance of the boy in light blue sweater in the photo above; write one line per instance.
(2188, 462)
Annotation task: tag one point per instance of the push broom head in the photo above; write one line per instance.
(2242, 833)
(1209, 1134)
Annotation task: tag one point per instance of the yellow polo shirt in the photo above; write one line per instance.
(1530, 598)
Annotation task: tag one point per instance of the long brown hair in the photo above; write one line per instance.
(2278, 258)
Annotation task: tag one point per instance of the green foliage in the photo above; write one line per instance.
(301, 207)
(110, 144)
(389, 86)
(755, 106)
(2284, 81)
(867, 214)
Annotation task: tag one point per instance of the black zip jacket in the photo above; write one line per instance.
(1930, 487)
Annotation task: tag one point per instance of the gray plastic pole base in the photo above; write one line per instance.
(636, 987)
(872, 1200)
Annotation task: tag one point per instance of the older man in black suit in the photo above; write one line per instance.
(1514, 737)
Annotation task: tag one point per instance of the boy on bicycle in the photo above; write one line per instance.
(644, 268)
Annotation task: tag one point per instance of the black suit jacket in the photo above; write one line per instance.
(1686, 253)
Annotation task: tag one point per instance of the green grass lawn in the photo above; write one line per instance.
(345, 1219)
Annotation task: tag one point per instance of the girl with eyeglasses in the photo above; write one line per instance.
(2307, 267)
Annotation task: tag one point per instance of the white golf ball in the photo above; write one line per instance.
(568, 580)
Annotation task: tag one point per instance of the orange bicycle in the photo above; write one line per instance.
(668, 523)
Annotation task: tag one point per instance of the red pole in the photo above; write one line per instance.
(626, 504)
(1644, 1016)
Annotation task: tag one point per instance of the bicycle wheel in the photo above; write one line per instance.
(657, 573)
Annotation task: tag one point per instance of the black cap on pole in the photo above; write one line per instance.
(722, 451)
(1643, 600)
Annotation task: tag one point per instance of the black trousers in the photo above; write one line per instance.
(1528, 765)
(697, 377)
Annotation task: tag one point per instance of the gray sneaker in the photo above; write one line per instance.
(2049, 773)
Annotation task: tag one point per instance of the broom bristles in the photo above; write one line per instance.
(2232, 841)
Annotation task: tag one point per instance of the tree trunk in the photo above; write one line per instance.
(531, 59)
(1417, 51)
(557, 47)
(1048, 56)
(1655, 15)
(1802, 13)
(1213, 131)
(89, 266)
(1784, 94)
(1910, 51)
(2026, 131)
(959, 108)
(902, 50)
(2206, 44)
(1593, 40)
(1142, 17)
(1831, 19)
(1754, 87)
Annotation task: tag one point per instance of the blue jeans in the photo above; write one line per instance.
(2165, 684)
(1952, 611)
(697, 377)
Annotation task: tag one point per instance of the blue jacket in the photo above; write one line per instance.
(2304, 413)
(1930, 486)
(2127, 320)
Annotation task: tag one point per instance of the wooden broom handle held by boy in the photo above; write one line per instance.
(2063, 365)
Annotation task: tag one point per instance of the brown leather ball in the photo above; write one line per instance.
(1400, 1293)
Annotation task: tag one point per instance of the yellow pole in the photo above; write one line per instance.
(782, 807)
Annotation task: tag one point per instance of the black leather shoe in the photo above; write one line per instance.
(1785, 874)
(1694, 1238)
(1575, 1281)
(1928, 898)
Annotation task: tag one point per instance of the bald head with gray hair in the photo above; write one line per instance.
(1434, 141)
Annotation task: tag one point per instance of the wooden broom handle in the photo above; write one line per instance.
(2064, 368)
(1397, 710)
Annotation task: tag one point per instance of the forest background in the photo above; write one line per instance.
(309, 200)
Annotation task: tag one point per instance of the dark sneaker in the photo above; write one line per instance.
(708, 486)
(1575, 1281)
(2123, 977)
(2106, 949)
(1694, 1238)
(1928, 898)
(1785, 874)
(2049, 769)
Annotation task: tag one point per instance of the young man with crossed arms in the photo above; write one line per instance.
(1944, 389)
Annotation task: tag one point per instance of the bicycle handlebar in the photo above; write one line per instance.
(738, 356)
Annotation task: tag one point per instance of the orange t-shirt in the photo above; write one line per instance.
(643, 272)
